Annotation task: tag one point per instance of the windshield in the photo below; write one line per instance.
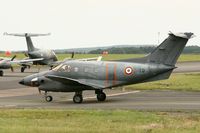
(62, 68)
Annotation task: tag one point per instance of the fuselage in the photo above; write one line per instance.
(48, 56)
(104, 73)
(5, 63)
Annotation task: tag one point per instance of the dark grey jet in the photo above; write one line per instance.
(77, 76)
(48, 57)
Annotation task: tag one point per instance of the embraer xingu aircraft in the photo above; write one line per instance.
(6, 63)
(77, 76)
(47, 57)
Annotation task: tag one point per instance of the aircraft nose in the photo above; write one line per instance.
(21, 82)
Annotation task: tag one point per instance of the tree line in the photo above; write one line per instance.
(141, 50)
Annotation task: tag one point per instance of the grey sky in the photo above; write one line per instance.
(89, 23)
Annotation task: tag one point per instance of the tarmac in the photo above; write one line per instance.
(14, 95)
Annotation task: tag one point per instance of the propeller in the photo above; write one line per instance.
(12, 70)
(13, 57)
(26, 54)
(72, 56)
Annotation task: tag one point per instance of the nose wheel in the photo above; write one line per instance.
(48, 98)
(78, 97)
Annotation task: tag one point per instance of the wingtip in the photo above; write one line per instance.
(5, 33)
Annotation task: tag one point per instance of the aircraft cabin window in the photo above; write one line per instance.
(76, 69)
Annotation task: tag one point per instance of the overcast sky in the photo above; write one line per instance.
(90, 23)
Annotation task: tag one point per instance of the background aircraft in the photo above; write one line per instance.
(49, 57)
(6, 63)
(77, 76)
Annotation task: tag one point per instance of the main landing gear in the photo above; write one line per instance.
(24, 67)
(101, 96)
(78, 97)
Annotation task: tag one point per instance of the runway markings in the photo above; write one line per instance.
(18, 92)
(111, 95)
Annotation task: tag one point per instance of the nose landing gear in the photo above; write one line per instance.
(48, 98)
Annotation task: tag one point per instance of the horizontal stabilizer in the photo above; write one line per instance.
(186, 35)
(26, 34)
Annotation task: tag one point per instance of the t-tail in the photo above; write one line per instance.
(169, 50)
(28, 36)
(163, 58)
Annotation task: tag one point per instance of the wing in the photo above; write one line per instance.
(66, 80)
(91, 59)
(70, 59)
(26, 61)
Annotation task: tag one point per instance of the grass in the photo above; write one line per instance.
(96, 121)
(183, 57)
(179, 81)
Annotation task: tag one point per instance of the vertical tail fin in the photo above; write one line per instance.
(170, 49)
(28, 39)
(29, 43)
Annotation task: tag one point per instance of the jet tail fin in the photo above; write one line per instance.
(170, 49)
(28, 36)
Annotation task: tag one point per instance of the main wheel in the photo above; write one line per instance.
(48, 98)
(1, 73)
(78, 98)
(22, 69)
(101, 96)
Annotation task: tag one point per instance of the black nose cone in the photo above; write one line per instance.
(21, 82)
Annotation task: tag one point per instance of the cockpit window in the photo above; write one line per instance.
(56, 68)
(62, 68)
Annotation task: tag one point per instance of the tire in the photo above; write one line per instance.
(1, 73)
(48, 98)
(101, 96)
(22, 69)
(78, 98)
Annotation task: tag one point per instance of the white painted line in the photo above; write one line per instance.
(111, 95)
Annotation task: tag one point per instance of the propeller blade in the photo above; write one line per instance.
(72, 55)
(26, 54)
(13, 57)
(12, 69)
